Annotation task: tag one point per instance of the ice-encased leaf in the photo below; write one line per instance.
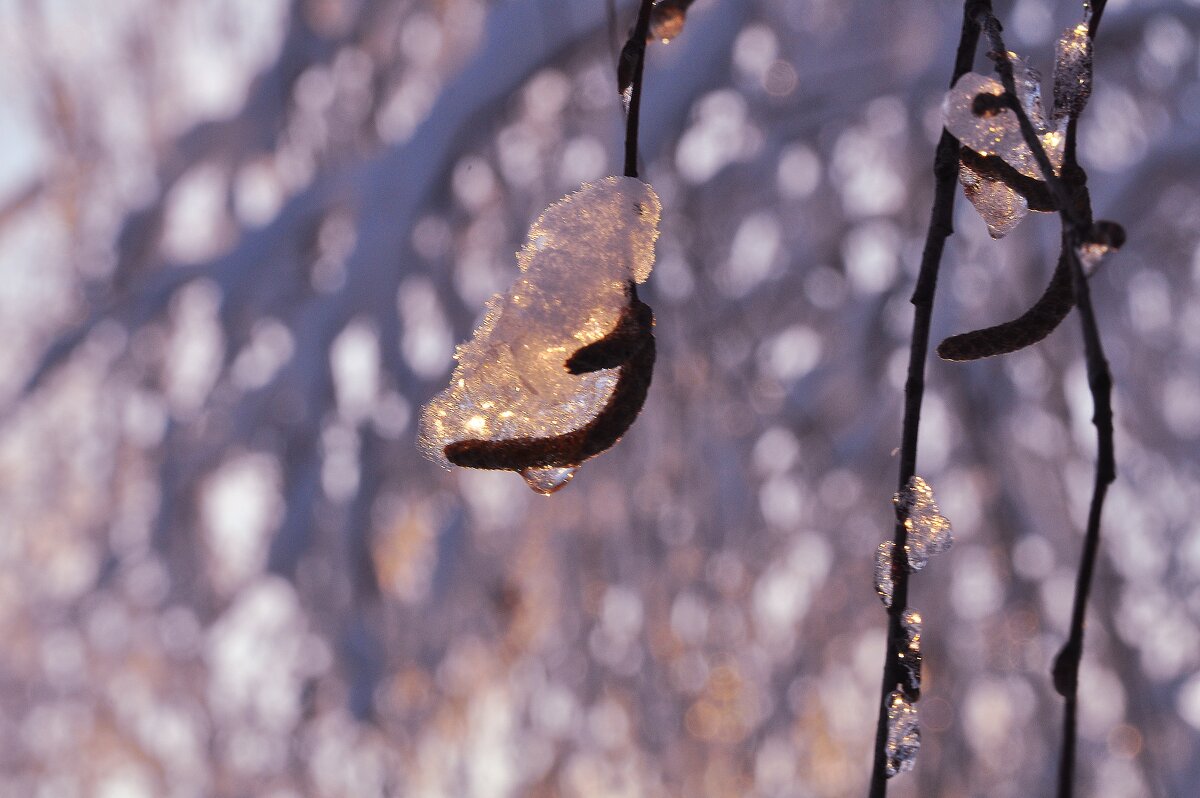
(990, 128)
(928, 530)
(883, 571)
(903, 734)
(1001, 207)
(910, 654)
(1072, 72)
(559, 366)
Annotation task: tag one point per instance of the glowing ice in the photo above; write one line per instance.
(883, 571)
(559, 366)
(1072, 72)
(903, 734)
(928, 530)
(910, 654)
(1000, 206)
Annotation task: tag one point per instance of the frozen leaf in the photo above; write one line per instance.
(883, 571)
(559, 366)
(903, 734)
(1001, 206)
(976, 112)
(910, 654)
(666, 19)
(928, 530)
(1072, 72)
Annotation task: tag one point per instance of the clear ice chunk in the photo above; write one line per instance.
(1072, 72)
(903, 734)
(988, 128)
(910, 654)
(883, 571)
(928, 530)
(511, 381)
(1001, 207)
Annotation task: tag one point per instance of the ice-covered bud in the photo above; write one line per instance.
(903, 734)
(928, 530)
(1103, 238)
(666, 19)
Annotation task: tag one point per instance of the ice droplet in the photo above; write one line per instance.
(1072, 72)
(989, 128)
(928, 530)
(547, 480)
(666, 20)
(1001, 207)
(883, 571)
(560, 364)
(1104, 237)
(903, 734)
(910, 654)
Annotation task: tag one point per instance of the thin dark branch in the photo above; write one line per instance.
(941, 227)
(636, 48)
(1071, 195)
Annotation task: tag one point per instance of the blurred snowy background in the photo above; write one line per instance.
(238, 241)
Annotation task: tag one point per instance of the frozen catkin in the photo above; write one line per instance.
(559, 367)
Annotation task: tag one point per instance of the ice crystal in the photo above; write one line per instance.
(903, 734)
(1072, 72)
(560, 364)
(883, 571)
(1000, 206)
(928, 530)
(910, 654)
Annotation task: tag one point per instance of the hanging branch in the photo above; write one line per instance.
(1070, 193)
(941, 227)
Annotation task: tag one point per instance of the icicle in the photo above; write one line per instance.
(928, 530)
(903, 734)
(666, 20)
(883, 571)
(1072, 72)
(559, 367)
(910, 654)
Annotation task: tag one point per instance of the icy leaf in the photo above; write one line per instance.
(1000, 206)
(910, 654)
(883, 571)
(989, 127)
(547, 480)
(903, 734)
(1072, 72)
(666, 20)
(928, 530)
(559, 366)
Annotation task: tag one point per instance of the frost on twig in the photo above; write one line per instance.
(560, 365)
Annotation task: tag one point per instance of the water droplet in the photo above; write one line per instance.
(903, 736)
(928, 529)
(883, 571)
(666, 20)
(910, 654)
(547, 480)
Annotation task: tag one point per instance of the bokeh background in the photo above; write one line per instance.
(238, 242)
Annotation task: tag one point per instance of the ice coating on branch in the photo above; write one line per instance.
(989, 128)
(1001, 207)
(928, 530)
(910, 654)
(1072, 72)
(903, 734)
(540, 385)
(883, 571)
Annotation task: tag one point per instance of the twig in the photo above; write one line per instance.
(941, 227)
(635, 48)
(1066, 664)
